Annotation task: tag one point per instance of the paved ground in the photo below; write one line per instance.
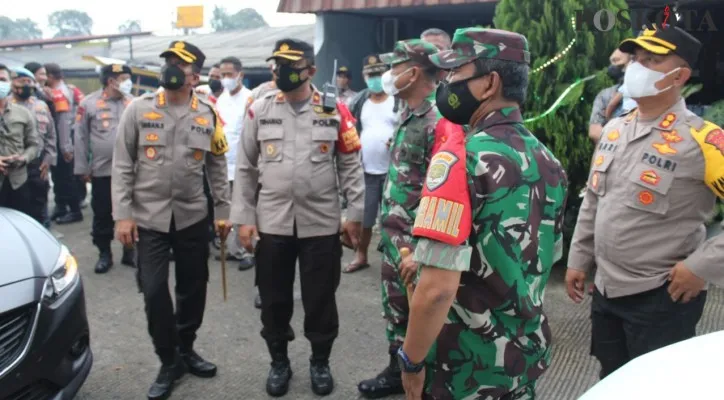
(125, 364)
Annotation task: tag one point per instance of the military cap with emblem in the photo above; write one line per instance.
(292, 50)
(343, 71)
(470, 44)
(373, 65)
(187, 52)
(115, 69)
(416, 50)
(663, 41)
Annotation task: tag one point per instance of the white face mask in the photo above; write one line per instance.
(4, 89)
(229, 84)
(640, 81)
(126, 86)
(389, 82)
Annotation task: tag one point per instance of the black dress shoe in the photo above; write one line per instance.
(257, 301)
(246, 263)
(70, 218)
(277, 383)
(197, 365)
(58, 212)
(105, 262)
(129, 257)
(321, 377)
(387, 383)
(167, 376)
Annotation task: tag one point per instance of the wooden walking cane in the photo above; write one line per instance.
(404, 252)
(222, 225)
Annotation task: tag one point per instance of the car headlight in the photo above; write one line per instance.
(63, 276)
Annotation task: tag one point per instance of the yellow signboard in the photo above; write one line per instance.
(188, 17)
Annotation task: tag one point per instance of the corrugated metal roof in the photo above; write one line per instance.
(251, 46)
(65, 40)
(314, 6)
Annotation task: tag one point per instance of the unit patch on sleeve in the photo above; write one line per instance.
(439, 170)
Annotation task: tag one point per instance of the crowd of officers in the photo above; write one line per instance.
(472, 213)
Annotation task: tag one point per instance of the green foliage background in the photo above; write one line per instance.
(548, 27)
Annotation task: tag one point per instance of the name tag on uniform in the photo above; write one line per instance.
(270, 121)
(329, 123)
(152, 125)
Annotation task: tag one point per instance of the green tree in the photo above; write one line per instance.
(548, 25)
(70, 23)
(247, 18)
(19, 29)
(130, 26)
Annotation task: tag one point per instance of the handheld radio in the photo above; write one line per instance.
(329, 96)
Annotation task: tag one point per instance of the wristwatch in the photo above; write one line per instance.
(406, 365)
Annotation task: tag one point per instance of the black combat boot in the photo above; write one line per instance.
(319, 372)
(58, 211)
(277, 383)
(387, 383)
(129, 257)
(70, 218)
(167, 376)
(197, 365)
(105, 260)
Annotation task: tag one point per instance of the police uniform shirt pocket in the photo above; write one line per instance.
(323, 144)
(271, 141)
(648, 189)
(43, 124)
(103, 120)
(151, 146)
(599, 173)
(198, 145)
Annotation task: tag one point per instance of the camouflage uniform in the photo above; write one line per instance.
(496, 340)
(411, 149)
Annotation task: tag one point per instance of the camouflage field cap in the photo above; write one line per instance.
(416, 50)
(470, 44)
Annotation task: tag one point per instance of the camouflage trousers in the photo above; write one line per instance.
(526, 392)
(394, 303)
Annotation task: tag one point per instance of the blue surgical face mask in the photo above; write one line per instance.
(4, 89)
(374, 83)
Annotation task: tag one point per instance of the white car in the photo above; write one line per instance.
(687, 370)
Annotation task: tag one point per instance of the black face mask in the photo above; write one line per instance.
(215, 85)
(25, 91)
(288, 78)
(172, 77)
(615, 72)
(455, 101)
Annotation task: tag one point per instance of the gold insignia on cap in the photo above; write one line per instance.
(284, 47)
(117, 68)
(179, 45)
(372, 60)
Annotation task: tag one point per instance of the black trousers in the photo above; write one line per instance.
(17, 199)
(210, 206)
(81, 189)
(103, 225)
(38, 193)
(191, 250)
(319, 271)
(627, 327)
(64, 185)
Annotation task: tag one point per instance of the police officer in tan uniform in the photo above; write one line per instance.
(96, 125)
(164, 141)
(656, 175)
(290, 146)
(23, 90)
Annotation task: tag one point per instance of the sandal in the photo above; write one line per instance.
(354, 267)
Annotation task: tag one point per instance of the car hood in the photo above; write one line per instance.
(27, 249)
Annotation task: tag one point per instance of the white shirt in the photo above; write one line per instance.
(378, 125)
(232, 111)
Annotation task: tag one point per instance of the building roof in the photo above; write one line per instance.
(10, 44)
(314, 6)
(252, 47)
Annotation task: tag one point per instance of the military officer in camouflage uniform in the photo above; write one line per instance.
(296, 149)
(413, 79)
(489, 227)
(164, 141)
(96, 125)
(23, 89)
(656, 175)
(19, 145)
